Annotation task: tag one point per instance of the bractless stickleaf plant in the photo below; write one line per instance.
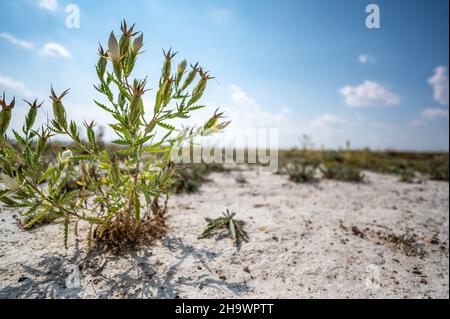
(118, 193)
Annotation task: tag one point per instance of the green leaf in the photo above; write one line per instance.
(121, 88)
(19, 138)
(49, 171)
(143, 140)
(121, 142)
(104, 107)
(166, 126)
(83, 157)
(37, 217)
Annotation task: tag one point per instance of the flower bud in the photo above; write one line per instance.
(138, 43)
(114, 170)
(66, 156)
(113, 47)
(5, 114)
(59, 111)
(167, 67)
(31, 116)
(136, 106)
(102, 62)
(191, 76)
(182, 66)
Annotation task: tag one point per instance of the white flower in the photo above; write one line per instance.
(9, 182)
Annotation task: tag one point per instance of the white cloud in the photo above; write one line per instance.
(13, 85)
(366, 59)
(246, 113)
(241, 98)
(49, 5)
(55, 50)
(326, 120)
(369, 93)
(13, 40)
(434, 113)
(285, 110)
(430, 114)
(439, 82)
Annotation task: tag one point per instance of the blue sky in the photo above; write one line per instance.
(304, 67)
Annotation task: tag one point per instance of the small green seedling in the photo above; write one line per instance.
(227, 221)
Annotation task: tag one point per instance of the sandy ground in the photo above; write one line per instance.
(379, 239)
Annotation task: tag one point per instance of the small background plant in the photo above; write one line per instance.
(342, 172)
(226, 222)
(302, 170)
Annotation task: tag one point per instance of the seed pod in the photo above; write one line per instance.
(166, 89)
(191, 76)
(102, 62)
(198, 91)
(31, 116)
(135, 109)
(114, 171)
(59, 111)
(136, 106)
(124, 45)
(5, 114)
(167, 67)
(5, 119)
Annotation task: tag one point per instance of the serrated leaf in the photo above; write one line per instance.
(104, 107)
(37, 218)
(19, 138)
(166, 126)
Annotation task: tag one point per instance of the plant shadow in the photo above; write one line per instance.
(130, 275)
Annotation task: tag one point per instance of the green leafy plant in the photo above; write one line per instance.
(189, 178)
(117, 192)
(302, 171)
(406, 175)
(226, 222)
(342, 172)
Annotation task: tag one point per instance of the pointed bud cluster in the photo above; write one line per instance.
(5, 114)
(59, 112)
(136, 106)
(125, 39)
(31, 116)
(7, 106)
(199, 89)
(167, 67)
(102, 62)
(213, 125)
(191, 76)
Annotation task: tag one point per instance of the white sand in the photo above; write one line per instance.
(305, 242)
